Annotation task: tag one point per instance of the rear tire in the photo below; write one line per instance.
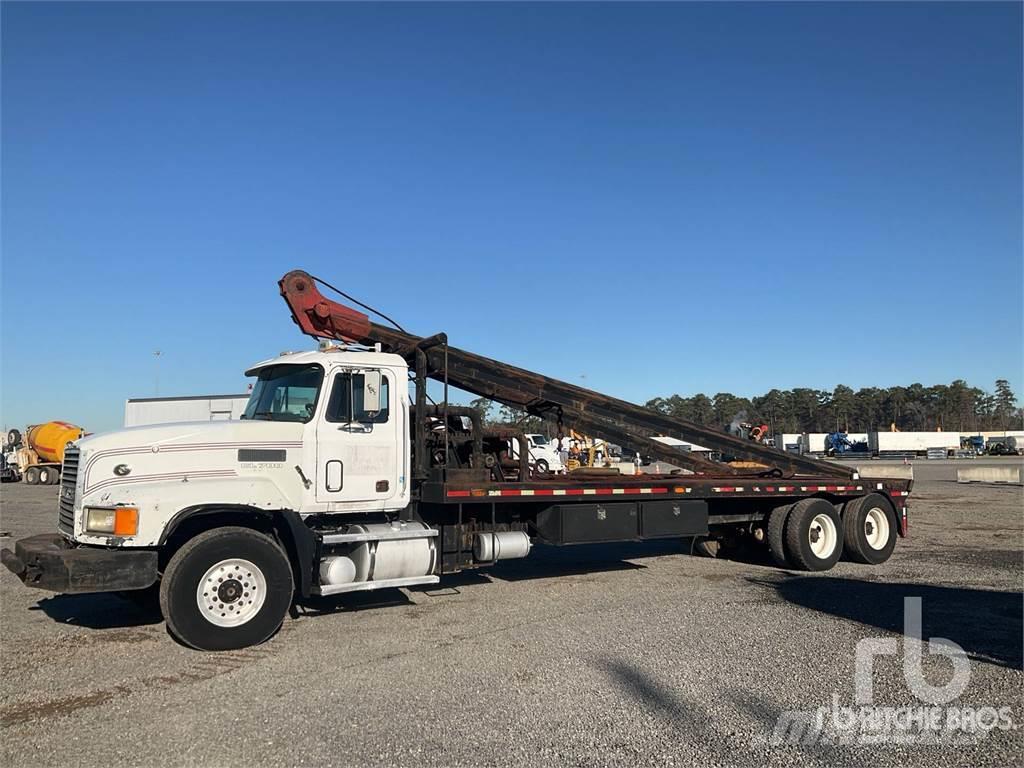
(47, 476)
(227, 588)
(814, 535)
(776, 533)
(705, 546)
(869, 527)
(725, 546)
(32, 476)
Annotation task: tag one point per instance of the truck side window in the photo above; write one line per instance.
(348, 391)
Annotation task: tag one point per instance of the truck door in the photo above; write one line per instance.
(357, 448)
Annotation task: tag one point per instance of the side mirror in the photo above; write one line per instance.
(371, 391)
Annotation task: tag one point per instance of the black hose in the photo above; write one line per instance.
(367, 307)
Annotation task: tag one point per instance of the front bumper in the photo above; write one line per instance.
(49, 561)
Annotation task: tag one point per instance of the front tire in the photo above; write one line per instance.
(225, 589)
(814, 535)
(869, 525)
(542, 466)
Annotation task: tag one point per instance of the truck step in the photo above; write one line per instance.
(348, 538)
(359, 586)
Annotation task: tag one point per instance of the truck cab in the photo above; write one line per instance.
(323, 432)
(325, 435)
(544, 453)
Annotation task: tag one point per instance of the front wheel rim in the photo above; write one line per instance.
(876, 528)
(231, 592)
(822, 536)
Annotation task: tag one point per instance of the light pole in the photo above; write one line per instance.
(157, 355)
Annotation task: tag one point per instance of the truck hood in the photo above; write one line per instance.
(164, 468)
(196, 434)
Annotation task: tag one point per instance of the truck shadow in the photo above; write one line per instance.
(689, 718)
(545, 562)
(100, 610)
(988, 624)
(354, 601)
(688, 721)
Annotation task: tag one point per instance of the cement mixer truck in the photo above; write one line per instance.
(37, 455)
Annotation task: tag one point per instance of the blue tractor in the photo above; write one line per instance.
(973, 443)
(838, 444)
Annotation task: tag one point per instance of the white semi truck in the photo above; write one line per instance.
(336, 480)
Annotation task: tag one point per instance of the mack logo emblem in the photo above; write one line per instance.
(67, 493)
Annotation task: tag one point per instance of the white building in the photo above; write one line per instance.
(140, 411)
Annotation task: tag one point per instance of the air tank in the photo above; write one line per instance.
(502, 545)
(50, 439)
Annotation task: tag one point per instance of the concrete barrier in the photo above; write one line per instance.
(887, 471)
(989, 475)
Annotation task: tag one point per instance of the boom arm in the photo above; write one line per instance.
(518, 388)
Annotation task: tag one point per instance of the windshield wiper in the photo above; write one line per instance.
(268, 415)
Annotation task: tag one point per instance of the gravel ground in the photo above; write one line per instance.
(621, 654)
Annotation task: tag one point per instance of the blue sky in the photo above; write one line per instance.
(646, 199)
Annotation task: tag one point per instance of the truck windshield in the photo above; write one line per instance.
(539, 439)
(285, 393)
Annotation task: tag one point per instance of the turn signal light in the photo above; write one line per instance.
(126, 521)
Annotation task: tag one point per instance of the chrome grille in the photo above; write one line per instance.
(68, 478)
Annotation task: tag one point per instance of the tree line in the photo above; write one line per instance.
(955, 407)
(916, 408)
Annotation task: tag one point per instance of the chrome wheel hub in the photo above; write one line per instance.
(822, 536)
(231, 592)
(876, 528)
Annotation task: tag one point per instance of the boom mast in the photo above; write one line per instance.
(526, 390)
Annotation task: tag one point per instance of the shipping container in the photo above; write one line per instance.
(912, 442)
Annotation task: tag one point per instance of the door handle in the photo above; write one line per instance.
(334, 476)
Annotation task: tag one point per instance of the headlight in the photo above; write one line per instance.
(120, 521)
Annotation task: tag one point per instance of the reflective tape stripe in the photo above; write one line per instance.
(562, 492)
(645, 491)
(831, 488)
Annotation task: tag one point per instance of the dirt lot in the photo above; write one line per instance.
(585, 655)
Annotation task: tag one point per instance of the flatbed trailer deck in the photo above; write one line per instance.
(713, 500)
(632, 509)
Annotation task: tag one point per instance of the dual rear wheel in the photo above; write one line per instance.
(870, 529)
(42, 475)
(813, 534)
